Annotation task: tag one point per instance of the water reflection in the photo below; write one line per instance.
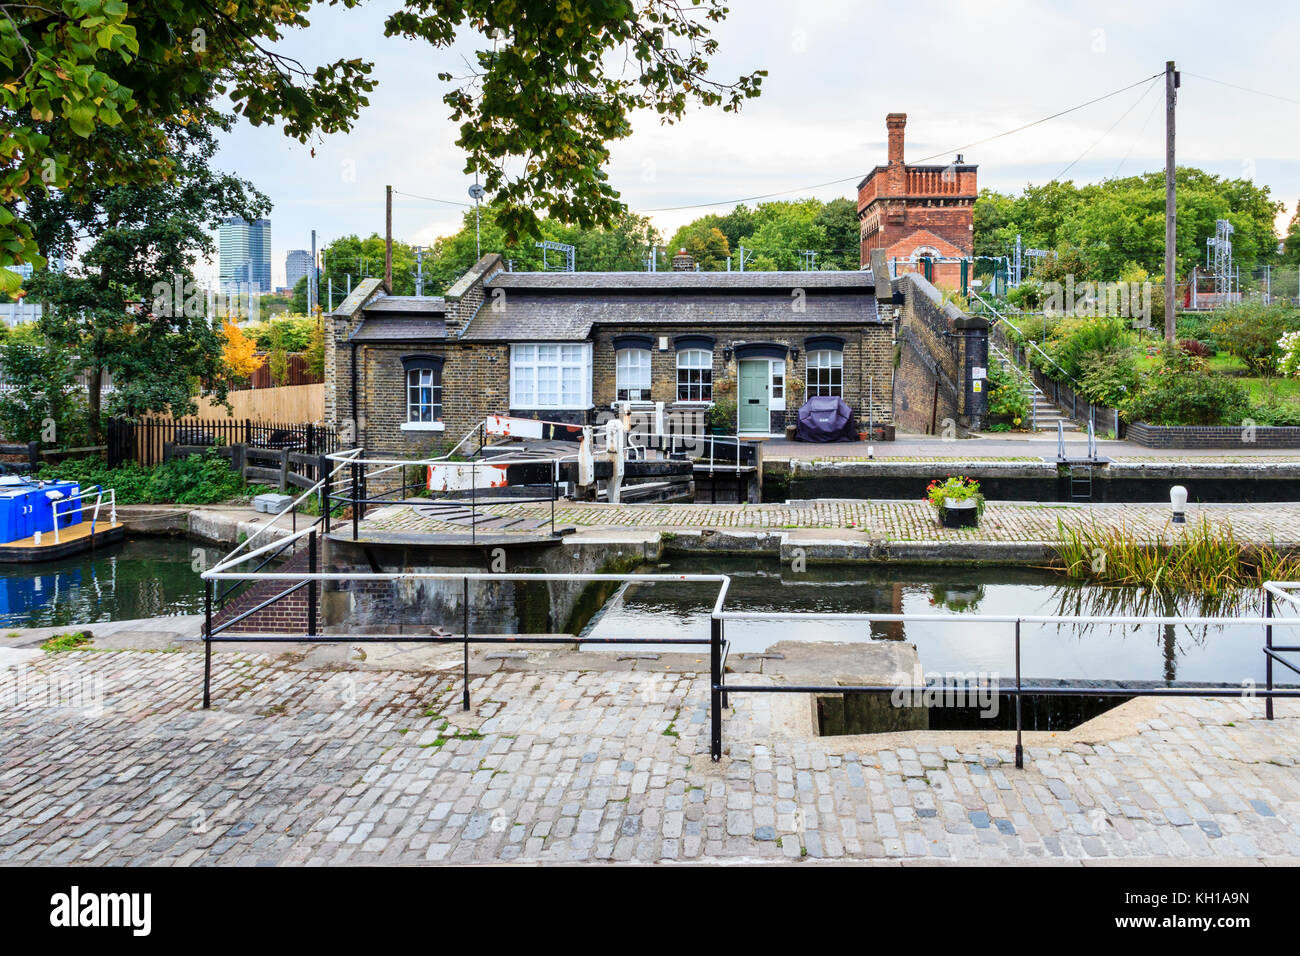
(1091, 652)
(146, 577)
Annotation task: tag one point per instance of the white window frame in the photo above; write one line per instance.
(415, 421)
(777, 383)
(828, 360)
(704, 364)
(631, 367)
(532, 363)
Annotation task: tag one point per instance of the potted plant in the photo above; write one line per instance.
(957, 501)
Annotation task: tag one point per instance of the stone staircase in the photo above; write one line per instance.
(1044, 413)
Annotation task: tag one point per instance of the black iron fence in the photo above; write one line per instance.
(143, 441)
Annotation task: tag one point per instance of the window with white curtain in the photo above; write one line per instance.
(550, 376)
(424, 394)
(694, 375)
(825, 373)
(632, 375)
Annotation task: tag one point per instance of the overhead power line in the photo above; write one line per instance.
(1110, 130)
(924, 159)
(449, 202)
(1244, 89)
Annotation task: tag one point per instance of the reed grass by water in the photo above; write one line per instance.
(1199, 559)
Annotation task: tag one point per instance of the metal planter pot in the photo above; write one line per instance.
(959, 513)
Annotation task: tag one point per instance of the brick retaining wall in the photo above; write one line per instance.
(1213, 436)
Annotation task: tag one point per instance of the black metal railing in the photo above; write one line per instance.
(352, 492)
(143, 441)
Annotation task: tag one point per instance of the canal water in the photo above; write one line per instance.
(141, 577)
(156, 576)
(1095, 653)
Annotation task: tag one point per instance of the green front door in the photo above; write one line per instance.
(752, 399)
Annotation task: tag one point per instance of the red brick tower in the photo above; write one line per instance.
(917, 210)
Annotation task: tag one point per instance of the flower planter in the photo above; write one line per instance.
(959, 513)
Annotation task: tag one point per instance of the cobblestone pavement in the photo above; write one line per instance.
(365, 766)
(890, 520)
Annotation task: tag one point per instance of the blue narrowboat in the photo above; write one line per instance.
(43, 520)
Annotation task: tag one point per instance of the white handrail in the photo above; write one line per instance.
(292, 507)
(99, 493)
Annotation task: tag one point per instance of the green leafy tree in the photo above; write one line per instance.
(1102, 229)
(775, 234)
(543, 98)
(43, 392)
(1291, 243)
(129, 306)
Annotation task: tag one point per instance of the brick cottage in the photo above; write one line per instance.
(416, 374)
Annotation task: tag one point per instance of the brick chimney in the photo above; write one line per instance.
(683, 262)
(896, 122)
(896, 176)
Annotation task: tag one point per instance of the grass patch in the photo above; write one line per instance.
(71, 641)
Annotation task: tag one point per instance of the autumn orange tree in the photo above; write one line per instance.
(239, 351)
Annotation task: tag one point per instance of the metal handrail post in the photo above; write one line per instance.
(465, 672)
(356, 504)
(715, 690)
(207, 644)
(1268, 658)
(722, 672)
(1020, 749)
(311, 588)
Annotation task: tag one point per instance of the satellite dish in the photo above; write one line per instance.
(477, 192)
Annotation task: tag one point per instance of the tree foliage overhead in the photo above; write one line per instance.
(549, 94)
(554, 82)
(70, 69)
(775, 236)
(129, 307)
(1110, 226)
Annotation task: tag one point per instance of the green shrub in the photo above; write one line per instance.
(1179, 391)
(1075, 341)
(292, 335)
(1251, 330)
(1006, 400)
(1110, 380)
(196, 480)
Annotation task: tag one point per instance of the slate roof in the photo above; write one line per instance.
(408, 304)
(419, 328)
(550, 316)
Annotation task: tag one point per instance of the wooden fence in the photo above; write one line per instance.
(281, 467)
(296, 374)
(288, 403)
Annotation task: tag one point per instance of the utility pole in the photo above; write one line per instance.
(1171, 199)
(311, 280)
(419, 270)
(742, 257)
(388, 240)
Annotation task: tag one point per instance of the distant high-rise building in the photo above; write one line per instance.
(245, 254)
(297, 263)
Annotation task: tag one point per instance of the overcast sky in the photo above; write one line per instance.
(961, 71)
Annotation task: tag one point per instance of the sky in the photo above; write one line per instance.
(962, 71)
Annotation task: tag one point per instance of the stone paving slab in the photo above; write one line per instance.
(892, 520)
(107, 759)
